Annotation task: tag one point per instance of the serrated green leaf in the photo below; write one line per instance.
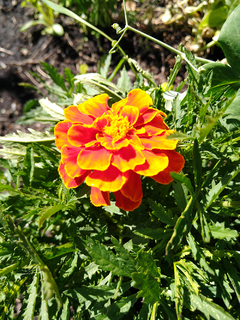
(31, 302)
(53, 109)
(100, 84)
(160, 213)
(9, 268)
(174, 71)
(105, 68)
(124, 81)
(57, 79)
(233, 276)
(182, 225)
(180, 177)
(218, 188)
(44, 315)
(107, 259)
(156, 234)
(91, 293)
(147, 279)
(69, 78)
(118, 309)
(218, 231)
(22, 137)
(208, 308)
(65, 315)
(124, 254)
(197, 166)
(48, 212)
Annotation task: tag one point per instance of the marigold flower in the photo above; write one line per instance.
(110, 148)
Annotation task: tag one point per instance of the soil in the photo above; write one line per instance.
(22, 52)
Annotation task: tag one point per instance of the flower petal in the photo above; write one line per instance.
(73, 114)
(79, 135)
(99, 198)
(108, 142)
(109, 180)
(176, 163)
(140, 99)
(60, 132)
(95, 106)
(68, 181)
(136, 98)
(127, 158)
(94, 158)
(125, 203)
(155, 126)
(131, 113)
(153, 165)
(132, 189)
(146, 116)
(69, 159)
(159, 142)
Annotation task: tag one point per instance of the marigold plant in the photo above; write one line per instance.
(110, 148)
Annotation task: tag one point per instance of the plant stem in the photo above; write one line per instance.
(154, 311)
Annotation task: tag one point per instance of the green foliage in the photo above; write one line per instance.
(174, 257)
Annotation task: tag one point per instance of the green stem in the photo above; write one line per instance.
(118, 287)
(154, 311)
(116, 69)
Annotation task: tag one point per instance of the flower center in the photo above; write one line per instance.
(117, 126)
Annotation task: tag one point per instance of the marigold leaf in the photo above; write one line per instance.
(208, 308)
(105, 68)
(160, 213)
(100, 84)
(156, 234)
(52, 108)
(107, 259)
(218, 188)
(233, 276)
(48, 212)
(183, 222)
(218, 231)
(52, 71)
(33, 293)
(124, 81)
(22, 137)
(147, 279)
(65, 315)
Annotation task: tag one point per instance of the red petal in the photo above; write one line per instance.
(109, 180)
(127, 158)
(94, 158)
(125, 203)
(60, 132)
(147, 116)
(136, 98)
(108, 142)
(95, 106)
(131, 113)
(68, 181)
(155, 126)
(99, 198)
(159, 142)
(155, 162)
(69, 159)
(73, 114)
(140, 99)
(79, 135)
(176, 164)
(132, 189)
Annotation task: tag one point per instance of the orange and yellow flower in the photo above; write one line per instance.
(109, 148)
